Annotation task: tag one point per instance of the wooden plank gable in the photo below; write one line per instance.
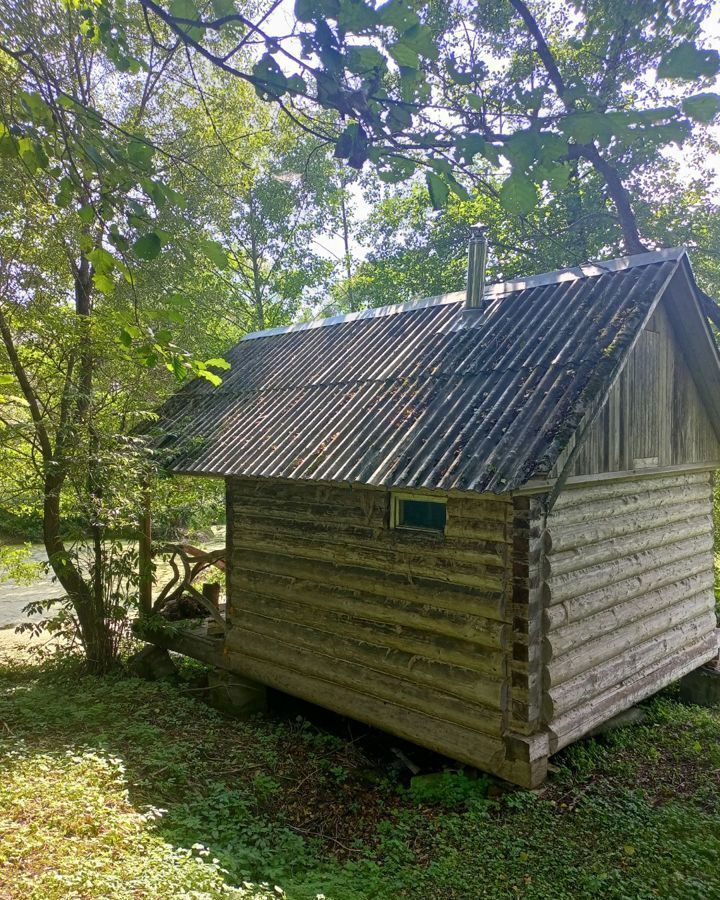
(654, 416)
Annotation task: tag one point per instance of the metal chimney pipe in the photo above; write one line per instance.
(477, 261)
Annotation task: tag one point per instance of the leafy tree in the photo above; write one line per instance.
(415, 251)
(461, 87)
(135, 246)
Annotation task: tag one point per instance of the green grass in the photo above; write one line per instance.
(117, 788)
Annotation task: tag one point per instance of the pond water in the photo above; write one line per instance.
(14, 597)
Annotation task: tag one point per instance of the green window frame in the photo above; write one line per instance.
(418, 512)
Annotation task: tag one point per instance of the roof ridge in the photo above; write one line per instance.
(589, 270)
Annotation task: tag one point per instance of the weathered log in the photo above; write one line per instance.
(601, 553)
(567, 728)
(608, 646)
(457, 681)
(481, 656)
(394, 714)
(559, 699)
(573, 636)
(578, 608)
(255, 569)
(631, 503)
(423, 617)
(585, 584)
(370, 682)
(583, 494)
(572, 537)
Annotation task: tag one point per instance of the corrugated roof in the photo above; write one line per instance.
(427, 395)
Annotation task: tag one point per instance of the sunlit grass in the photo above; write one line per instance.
(115, 788)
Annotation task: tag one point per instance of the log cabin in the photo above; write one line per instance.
(481, 522)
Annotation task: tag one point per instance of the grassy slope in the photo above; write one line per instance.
(103, 781)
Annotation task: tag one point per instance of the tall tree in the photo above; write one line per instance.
(459, 87)
(414, 251)
(97, 250)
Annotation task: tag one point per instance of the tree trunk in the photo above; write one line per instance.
(257, 281)
(94, 634)
(346, 244)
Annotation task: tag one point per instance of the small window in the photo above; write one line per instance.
(418, 513)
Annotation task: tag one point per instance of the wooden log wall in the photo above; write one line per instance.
(404, 630)
(629, 599)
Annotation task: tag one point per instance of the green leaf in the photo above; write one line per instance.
(117, 239)
(465, 75)
(404, 55)
(65, 193)
(102, 261)
(468, 146)
(558, 176)
(296, 84)
(86, 214)
(274, 83)
(140, 153)
(223, 8)
(421, 39)
(94, 155)
(215, 252)
(148, 357)
(399, 117)
(307, 10)
(356, 16)
(179, 300)
(352, 145)
(8, 146)
(148, 246)
(126, 338)
(522, 149)
(689, 62)
(457, 188)
(397, 169)
(585, 127)
(364, 59)
(186, 9)
(438, 190)
(7, 379)
(518, 194)
(214, 379)
(474, 102)
(36, 107)
(702, 107)
(103, 283)
(218, 363)
(155, 191)
(397, 14)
